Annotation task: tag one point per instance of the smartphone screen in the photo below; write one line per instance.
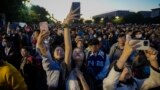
(74, 6)
(43, 26)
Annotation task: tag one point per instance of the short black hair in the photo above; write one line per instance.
(2, 56)
(135, 32)
(128, 31)
(121, 35)
(94, 41)
(26, 48)
(7, 38)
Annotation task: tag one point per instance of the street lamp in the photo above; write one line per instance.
(116, 20)
(117, 17)
(102, 19)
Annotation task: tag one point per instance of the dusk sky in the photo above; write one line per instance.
(89, 8)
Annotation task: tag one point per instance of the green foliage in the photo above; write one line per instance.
(11, 8)
(88, 21)
(38, 14)
(105, 20)
(119, 20)
(81, 20)
(96, 20)
(16, 10)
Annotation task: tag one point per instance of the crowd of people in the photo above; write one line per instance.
(80, 57)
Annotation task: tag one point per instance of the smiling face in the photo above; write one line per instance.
(58, 53)
(78, 56)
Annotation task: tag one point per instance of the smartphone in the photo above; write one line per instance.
(43, 26)
(143, 44)
(74, 6)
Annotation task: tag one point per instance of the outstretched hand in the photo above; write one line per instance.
(128, 49)
(130, 46)
(42, 36)
(71, 16)
(151, 54)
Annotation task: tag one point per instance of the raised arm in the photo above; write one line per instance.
(151, 55)
(68, 47)
(112, 79)
(39, 45)
(128, 49)
(49, 65)
(154, 78)
(67, 38)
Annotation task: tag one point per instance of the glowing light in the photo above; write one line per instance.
(117, 17)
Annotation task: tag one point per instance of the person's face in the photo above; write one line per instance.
(121, 40)
(80, 44)
(73, 32)
(5, 43)
(153, 36)
(138, 35)
(85, 36)
(94, 48)
(20, 33)
(24, 52)
(60, 32)
(78, 56)
(58, 53)
(130, 33)
(104, 36)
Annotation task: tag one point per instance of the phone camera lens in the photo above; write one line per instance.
(145, 43)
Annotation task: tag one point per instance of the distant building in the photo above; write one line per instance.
(155, 12)
(120, 13)
(76, 5)
(146, 14)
